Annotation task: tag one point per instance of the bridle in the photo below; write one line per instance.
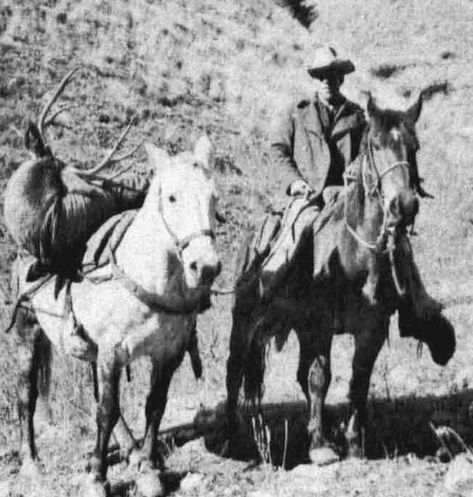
(374, 189)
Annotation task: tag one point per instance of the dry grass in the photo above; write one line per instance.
(224, 66)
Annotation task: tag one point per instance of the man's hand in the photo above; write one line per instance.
(299, 188)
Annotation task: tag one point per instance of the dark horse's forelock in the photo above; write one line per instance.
(385, 121)
(380, 128)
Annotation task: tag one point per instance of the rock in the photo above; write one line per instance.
(191, 481)
(323, 456)
(91, 487)
(148, 484)
(12, 86)
(459, 477)
(304, 471)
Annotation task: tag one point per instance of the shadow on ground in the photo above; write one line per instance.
(397, 427)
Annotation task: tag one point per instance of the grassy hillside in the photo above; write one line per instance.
(223, 67)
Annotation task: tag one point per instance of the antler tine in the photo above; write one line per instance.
(60, 89)
(109, 158)
(123, 157)
(50, 120)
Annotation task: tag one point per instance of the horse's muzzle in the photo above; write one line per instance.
(205, 273)
(403, 209)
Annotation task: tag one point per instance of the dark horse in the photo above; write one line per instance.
(349, 277)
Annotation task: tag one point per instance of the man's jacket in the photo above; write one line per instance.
(315, 149)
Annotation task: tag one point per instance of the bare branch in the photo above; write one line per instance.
(60, 89)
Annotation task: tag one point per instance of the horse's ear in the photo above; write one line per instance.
(34, 141)
(203, 150)
(413, 112)
(157, 156)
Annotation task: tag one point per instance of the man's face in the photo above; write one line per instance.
(330, 87)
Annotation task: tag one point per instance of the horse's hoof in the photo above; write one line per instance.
(148, 484)
(354, 452)
(90, 486)
(135, 459)
(323, 456)
(30, 469)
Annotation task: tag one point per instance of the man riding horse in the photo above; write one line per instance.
(316, 141)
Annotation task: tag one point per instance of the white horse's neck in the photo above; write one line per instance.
(146, 252)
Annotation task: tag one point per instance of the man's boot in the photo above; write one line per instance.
(416, 304)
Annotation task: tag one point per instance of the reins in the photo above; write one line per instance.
(385, 243)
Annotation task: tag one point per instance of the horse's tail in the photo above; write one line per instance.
(27, 327)
(253, 372)
(43, 354)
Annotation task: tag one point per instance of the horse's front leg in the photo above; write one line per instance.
(242, 334)
(146, 460)
(368, 343)
(314, 376)
(108, 412)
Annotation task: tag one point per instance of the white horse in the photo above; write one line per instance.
(144, 302)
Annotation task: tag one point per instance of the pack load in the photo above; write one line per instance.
(51, 209)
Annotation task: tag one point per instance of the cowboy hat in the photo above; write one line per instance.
(325, 63)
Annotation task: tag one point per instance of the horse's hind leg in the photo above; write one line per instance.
(108, 412)
(314, 376)
(368, 343)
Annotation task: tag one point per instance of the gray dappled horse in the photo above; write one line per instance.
(143, 302)
(349, 277)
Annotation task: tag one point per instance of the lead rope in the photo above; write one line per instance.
(231, 290)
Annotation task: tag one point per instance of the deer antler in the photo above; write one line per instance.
(109, 159)
(42, 123)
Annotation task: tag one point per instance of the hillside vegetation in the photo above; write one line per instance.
(223, 67)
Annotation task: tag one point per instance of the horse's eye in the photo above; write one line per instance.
(172, 198)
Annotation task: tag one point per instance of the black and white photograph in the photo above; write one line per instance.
(236, 248)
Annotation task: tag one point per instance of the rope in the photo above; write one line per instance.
(24, 297)
(401, 291)
(374, 246)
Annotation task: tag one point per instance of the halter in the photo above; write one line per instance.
(159, 303)
(181, 244)
(379, 245)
